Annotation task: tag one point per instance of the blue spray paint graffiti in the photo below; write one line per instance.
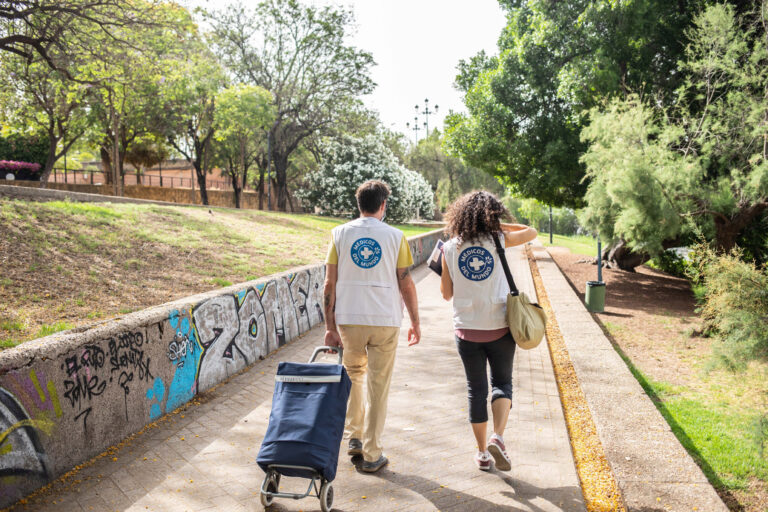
(156, 392)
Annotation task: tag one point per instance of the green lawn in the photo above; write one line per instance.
(723, 430)
(578, 244)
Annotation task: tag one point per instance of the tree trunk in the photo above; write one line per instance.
(727, 230)
(290, 200)
(238, 191)
(621, 256)
(200, 173)
(50, 160)
(281, 174)
(106, 165)
(261, 188)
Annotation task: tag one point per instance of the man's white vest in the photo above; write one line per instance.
(479, 286)
(367, 292)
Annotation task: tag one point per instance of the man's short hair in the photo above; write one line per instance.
(371, 195)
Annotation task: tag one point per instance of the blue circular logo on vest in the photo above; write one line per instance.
(476, 263)
(366, 252)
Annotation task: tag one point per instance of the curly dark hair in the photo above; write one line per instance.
(475, 215)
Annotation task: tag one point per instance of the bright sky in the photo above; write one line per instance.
(416, 45)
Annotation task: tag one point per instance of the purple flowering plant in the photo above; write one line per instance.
(22, 170)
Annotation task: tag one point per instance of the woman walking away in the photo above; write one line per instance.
(473, 276)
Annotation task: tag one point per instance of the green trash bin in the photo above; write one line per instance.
(595, 296)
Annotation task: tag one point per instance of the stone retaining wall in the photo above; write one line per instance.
(67, 397)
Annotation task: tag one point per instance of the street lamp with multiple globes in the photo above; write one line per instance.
(426, 113)
(415, 128)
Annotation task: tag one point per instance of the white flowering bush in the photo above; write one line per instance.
(350, 161)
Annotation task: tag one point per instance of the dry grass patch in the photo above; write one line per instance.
(64, 263)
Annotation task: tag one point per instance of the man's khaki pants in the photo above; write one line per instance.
(371, 350)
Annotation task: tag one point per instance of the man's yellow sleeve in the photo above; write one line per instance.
(333, 257)
(404, 257)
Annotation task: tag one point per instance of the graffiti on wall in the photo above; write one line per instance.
(21, 426)
(234, 331)
(92, 370)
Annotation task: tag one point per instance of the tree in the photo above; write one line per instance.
(188, 122)
(557, 59)
(350, 161)
(55, 32)
(660, 173)
(448, 176)
(297, 53)
(241, 114)
(42, 98)
(130, 98)
(146, 152)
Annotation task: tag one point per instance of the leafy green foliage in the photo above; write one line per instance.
(24, 148)
(557, 59)
(659, 174)
(348, 163)
(637, 183)
(736, 305)
(300, 54)
(671, 263)
(243, 111)
(448, 176)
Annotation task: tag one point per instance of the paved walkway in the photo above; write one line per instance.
(203, 459)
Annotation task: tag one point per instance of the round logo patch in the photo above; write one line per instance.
(476, 263)
(366, 252)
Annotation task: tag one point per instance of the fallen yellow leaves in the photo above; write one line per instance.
(601, 492)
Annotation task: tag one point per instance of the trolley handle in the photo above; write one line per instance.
(326, 349)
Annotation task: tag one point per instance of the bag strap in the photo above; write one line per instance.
(512, 288)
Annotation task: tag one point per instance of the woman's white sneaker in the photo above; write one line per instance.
(499, 452)
(483, 461)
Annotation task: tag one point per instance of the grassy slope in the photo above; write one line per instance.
(578, 244)
(65, 264)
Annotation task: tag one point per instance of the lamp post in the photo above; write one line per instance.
(550, 224)
(594, 297)
(426, 113)
(415, 127)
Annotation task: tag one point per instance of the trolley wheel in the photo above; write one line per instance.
(326, 497)
(273, 482)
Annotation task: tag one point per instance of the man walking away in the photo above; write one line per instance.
(366, 274)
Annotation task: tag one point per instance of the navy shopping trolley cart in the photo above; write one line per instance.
(305, 428)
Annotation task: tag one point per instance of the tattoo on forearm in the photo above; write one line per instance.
(327, 300)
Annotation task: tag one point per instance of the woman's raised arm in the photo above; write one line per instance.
(517, 234)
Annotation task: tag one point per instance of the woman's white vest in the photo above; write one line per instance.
(367, 292)
(479, 286)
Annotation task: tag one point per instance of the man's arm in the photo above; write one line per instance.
(517, 234)
(332, 338)
(408, 291)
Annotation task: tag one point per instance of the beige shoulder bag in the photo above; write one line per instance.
(526, 319)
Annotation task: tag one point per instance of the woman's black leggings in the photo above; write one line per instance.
(499, 354)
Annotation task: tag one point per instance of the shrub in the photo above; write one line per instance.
(20, 170)
(670, 262)
(735, 305)
(350, 161)
(24, 148)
